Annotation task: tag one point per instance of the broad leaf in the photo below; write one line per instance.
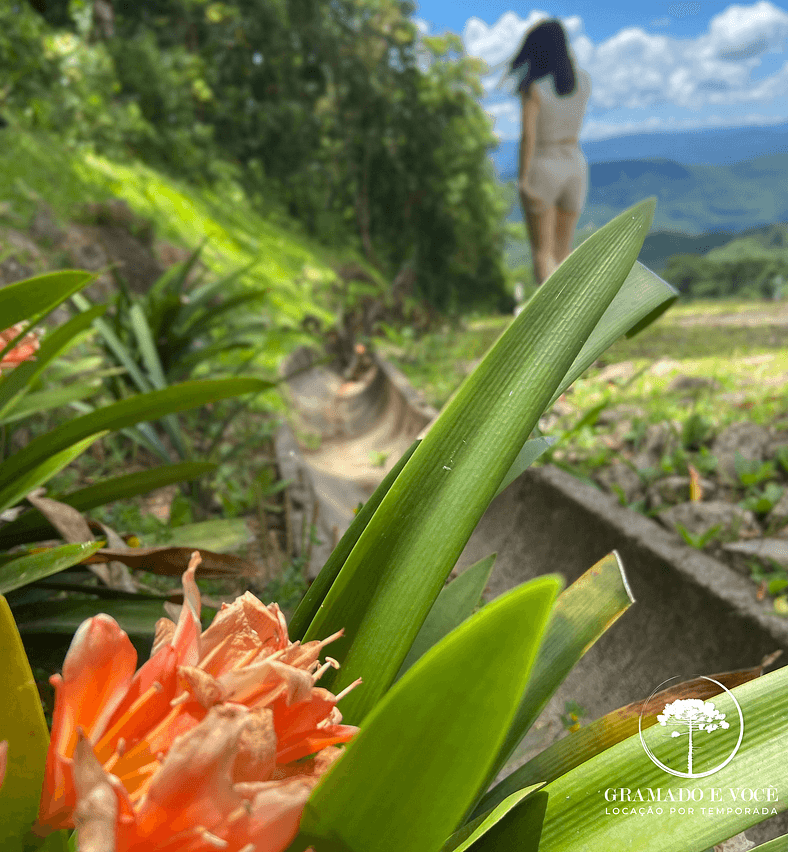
(471, 835)
(454, 604)
(571, 751)
(22, 725)
(34, 566)
(316, 593)
(643, 298)
(583, 613)
(578, 797)
(403, 556)
(424, 744)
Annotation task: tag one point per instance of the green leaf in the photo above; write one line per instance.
(486, 828)
(430, 741)
(34, 566)
(582, 614)
(32, 526)
(219, 534)
(14, 489)
(150, 357)
(147, 406)
(35, 403)
(137, 617)
(22, 724)
(571, 751)
(34, 298)
(454, 604)
(643, 297)
(577, 798)
(316, 593)
(402, 558)
(16, 383)
(525, 458)
(147, 346)
(116, 346)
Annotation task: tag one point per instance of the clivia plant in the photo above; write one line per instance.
(231, 738)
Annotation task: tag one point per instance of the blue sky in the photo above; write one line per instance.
(654, 64)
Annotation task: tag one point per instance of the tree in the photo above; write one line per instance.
(695, 715)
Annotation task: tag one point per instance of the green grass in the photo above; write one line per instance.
(749, 363)
(38, 170)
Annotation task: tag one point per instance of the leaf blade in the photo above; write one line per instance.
(402, 558)
(423, 808)
(22, 724)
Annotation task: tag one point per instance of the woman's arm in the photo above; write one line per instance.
(530, 109)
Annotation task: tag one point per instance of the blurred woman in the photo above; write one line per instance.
(553, 174)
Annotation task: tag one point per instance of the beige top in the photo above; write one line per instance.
(560, 117)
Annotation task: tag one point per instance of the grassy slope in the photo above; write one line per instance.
(36, 169)
(733, 343)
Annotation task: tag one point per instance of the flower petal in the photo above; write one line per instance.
(97, 671)
(194, 784)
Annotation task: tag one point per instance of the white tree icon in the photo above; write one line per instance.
(694, 715)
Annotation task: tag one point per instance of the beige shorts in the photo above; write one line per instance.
(558, 177)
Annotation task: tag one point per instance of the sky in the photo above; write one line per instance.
(655, 65)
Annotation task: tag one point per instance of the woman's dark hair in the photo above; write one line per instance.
(545, 52)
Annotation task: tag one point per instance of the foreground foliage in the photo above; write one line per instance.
(437, 725)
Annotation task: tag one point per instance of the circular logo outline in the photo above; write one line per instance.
(657, 762)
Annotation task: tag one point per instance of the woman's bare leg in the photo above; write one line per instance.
(565, 224)
(541, 231)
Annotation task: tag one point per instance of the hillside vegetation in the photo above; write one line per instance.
(337, 116)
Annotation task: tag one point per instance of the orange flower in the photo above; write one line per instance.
(23, 351)
(198, 749)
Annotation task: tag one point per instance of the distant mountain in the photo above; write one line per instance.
(715, 147)
(692, 199)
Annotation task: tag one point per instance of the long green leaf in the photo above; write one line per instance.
(482, 834)
(643, 297)
(430, 741)
(34, 298)
(14, 489)
(404, 555)
(23, 726)
(32, 526)
(454, 604)
(147, 406)
(117, 347)
(62, 617)
(576, 818)
(150, 357)
(525, 458)
(45, 400)
(35, 566)
(569, 752)
(21, 378)
(583, 613)
(316, 593)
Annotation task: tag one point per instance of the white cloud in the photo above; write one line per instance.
(635, 69)
(497, 43)
(743, 32)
